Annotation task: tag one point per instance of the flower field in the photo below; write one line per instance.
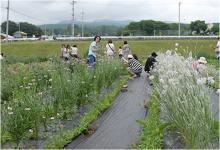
(36, 97)
(42, 95)
(183, 94)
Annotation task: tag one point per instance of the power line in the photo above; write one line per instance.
(73, 2)
(30, 17)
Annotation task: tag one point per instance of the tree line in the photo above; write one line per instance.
(143, 28)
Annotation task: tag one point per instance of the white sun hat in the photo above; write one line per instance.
(130, 56)
(202, 60)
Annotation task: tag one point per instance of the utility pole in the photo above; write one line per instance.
(7, 27)
(45, 30)
(19, 27)
(179, 18)
(82, 24)
(73, 2)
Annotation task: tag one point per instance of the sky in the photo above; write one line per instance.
(55, 11)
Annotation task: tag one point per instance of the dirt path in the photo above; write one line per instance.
(118, 128)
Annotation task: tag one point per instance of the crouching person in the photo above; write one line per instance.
(134, 66)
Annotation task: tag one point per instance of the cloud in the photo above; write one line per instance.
(53, 11)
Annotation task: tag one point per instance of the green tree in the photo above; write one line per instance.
(30, 29)
(198, 26)
(13, 27)
(215, 28)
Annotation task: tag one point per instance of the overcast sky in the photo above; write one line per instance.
(54, 11)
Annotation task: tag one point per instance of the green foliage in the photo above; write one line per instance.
(36, 92)
(28, 28)
(153, 130)
(59, 141)
(151, 27)
(198, 26)
(13, 27)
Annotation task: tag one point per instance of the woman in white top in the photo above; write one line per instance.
(126, 50)
(74, 51)
(110, 49)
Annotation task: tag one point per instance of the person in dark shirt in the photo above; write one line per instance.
(150, 62)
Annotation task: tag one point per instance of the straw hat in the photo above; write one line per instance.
(202, 60)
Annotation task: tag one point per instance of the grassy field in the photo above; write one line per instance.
(140, 47)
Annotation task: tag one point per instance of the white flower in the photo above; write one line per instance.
(176, 44)
(161, 81)
(27, 109)
(52, 118)
(28, 87)
(86, 95)
(21, 86)
(10, 113)
(58, 114)
(51, 87)
(50, 80)
(33, 80)
(218, 91)
(168, 52)
(40, 93)
(9, 108)
(176, 49)
(30, 84)
(30, 130)
(94, 77)
(44, 117)
(210, 80)
(45, 76)
(201, 81)
(151, 77)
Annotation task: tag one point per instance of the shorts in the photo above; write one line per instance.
(91, 60)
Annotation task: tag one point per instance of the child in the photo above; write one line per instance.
(120, 54)
(66, 52)
(63, 47)
(74, 51)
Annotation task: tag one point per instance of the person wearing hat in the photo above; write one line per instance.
(134, 67)
(150, 62)
(199, 65)
(217, 49)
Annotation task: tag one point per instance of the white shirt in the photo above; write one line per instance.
(1, 57)
(120, 51)
(218, 45)
(74, 50)
(110, 49)
(65, 52)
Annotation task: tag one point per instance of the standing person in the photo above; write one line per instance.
(74, 51)
(150, 62)
(217, 49)
(126, 50)
(120, 54)
(110, 49)
(63, 47)
(93, 48)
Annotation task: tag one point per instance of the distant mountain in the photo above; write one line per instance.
(100, 22)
